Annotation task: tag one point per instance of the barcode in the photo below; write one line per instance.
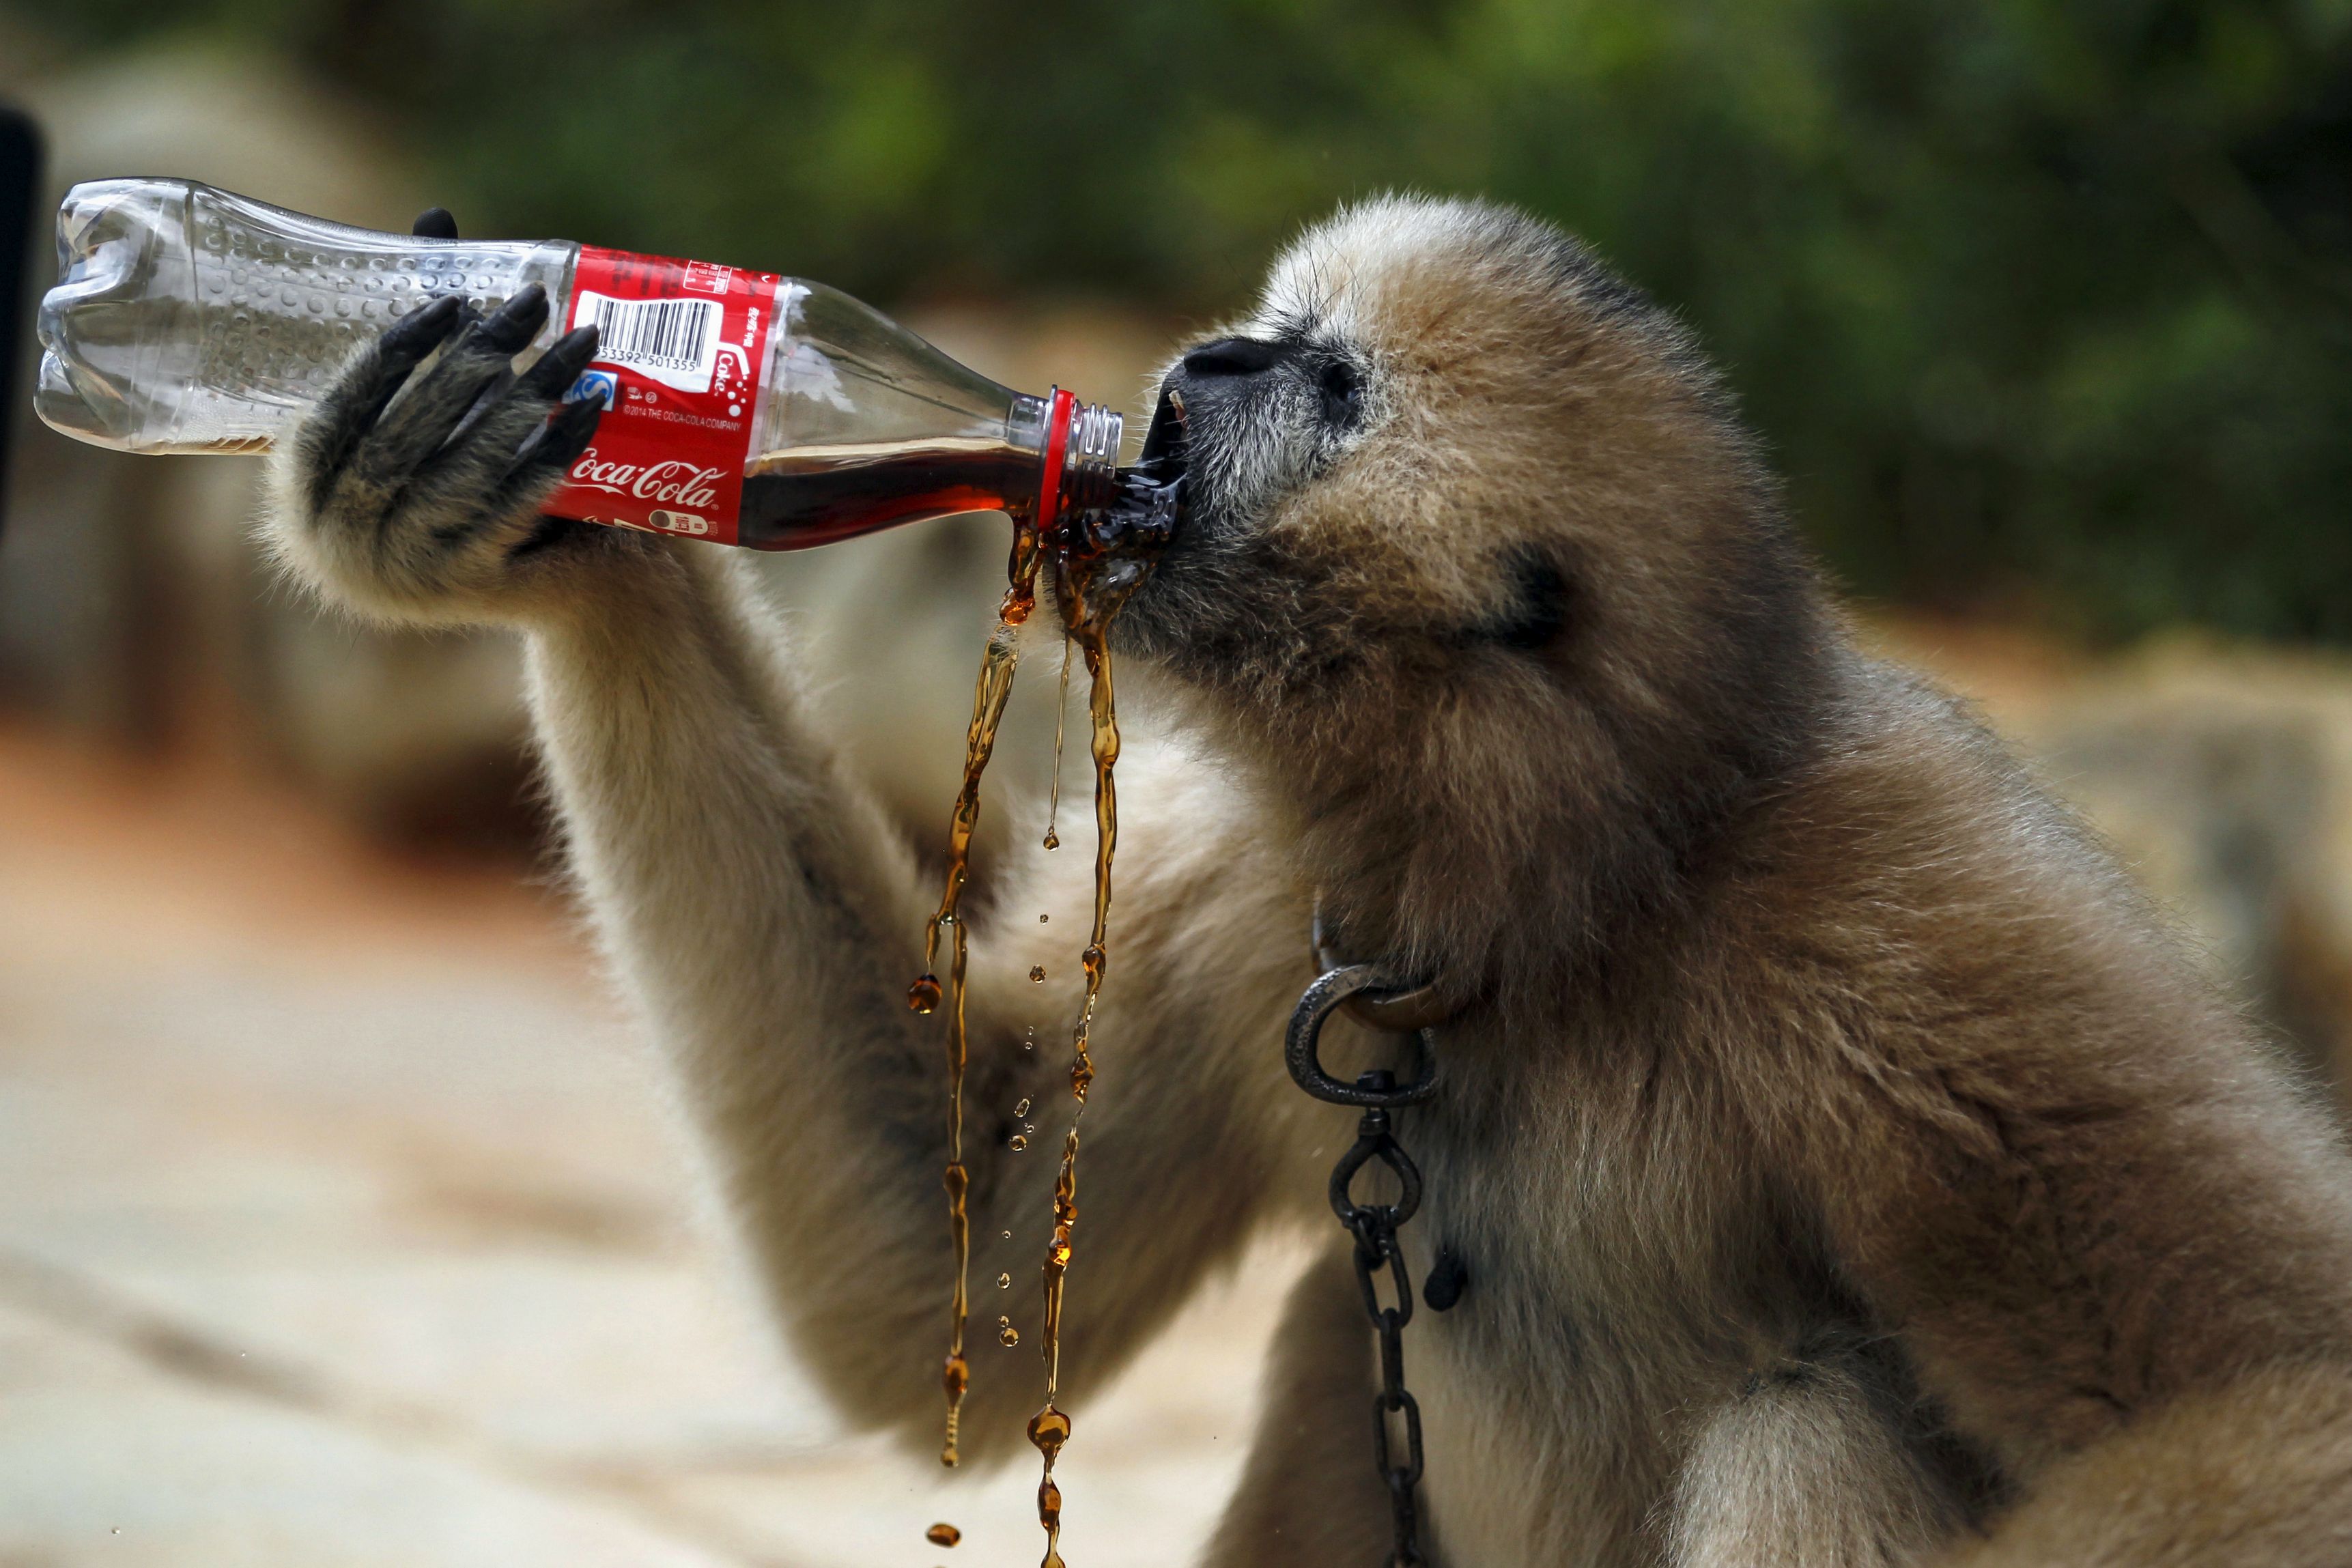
(675, 335)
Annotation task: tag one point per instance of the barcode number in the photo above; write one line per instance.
(674, 335)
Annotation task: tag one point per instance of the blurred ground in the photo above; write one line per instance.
(341, 1222)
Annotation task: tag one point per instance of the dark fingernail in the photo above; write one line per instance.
(552, 373)
(562, 437)
(517, 321)
(574, 350)
(435, 223)
(574, 428)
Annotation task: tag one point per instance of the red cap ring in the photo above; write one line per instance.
(1058, 414)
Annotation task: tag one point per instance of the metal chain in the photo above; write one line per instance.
(1374, 1225)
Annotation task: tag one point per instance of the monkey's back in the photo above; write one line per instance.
(1913, 1040)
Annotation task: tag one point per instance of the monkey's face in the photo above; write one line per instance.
(1448, 447)
(1465, 512)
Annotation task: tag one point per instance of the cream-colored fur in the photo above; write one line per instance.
(1848, 1166)
(1805, 1453)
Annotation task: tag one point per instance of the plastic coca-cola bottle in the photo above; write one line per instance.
(742, 407)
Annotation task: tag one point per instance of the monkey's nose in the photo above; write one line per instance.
(1231, 357)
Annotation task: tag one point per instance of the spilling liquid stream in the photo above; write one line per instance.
(996, 670)
(1096, 563)
(1091, 587)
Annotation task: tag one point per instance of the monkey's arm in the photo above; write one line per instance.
(749, 895)
(767, 919)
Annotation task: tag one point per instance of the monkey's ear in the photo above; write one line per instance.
(435, 223)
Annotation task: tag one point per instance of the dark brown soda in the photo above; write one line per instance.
(996, 683)
(1089, 606)
(875, 488)
(804, 496)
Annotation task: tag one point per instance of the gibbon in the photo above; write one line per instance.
(1846, 1165)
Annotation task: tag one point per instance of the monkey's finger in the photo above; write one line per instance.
(510, 415)
(553, 447)
(488, 487)
(502, 462)
(487, 399)
(421, 331)
(558, 368)
(511, 327)
(420, 423)
(351, 409)
(435, 223)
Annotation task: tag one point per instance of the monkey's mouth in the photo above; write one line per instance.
(1149, 504)
(1166, 442)
(1109, 551)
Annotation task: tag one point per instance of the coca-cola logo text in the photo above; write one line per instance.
(674, 483)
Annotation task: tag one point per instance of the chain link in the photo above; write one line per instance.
(1374, 1226)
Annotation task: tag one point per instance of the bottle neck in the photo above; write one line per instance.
(1079, 448)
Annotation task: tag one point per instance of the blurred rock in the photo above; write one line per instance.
(2221, 774)
(2225, 778)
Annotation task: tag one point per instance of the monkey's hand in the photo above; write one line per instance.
(414, 495)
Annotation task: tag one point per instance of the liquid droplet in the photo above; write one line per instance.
(1006, 1335)
(1022, 1109)
(1049, 1430)
(943, 1534)
(1053, 840)
(923, 996)
(1008, 1236)
(1005, 1281)
(1036, 976)
(1019, 1142)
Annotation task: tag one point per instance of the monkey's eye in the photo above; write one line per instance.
(1342, 392)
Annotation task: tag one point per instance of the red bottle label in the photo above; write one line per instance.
(681, 344)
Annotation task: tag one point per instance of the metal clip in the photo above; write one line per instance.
(1306, 1033)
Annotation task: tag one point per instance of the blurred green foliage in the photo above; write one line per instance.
(2046, 306)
